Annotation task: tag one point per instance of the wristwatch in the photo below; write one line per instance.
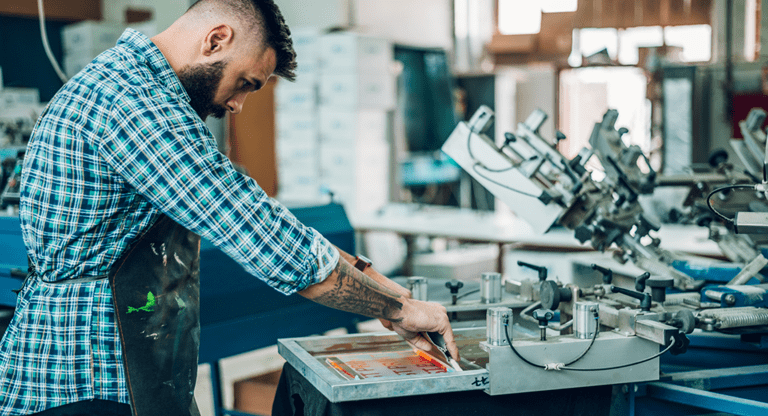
(362, 263)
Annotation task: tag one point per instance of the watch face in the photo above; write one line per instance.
(362, 262)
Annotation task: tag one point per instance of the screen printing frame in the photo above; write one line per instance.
(504, 372)
(337, 389)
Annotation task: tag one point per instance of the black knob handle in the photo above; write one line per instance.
(542, 270)
(543, 316)
(551, 294)
(607, 273)
(640, 281)
(559, 136)
(454, 285)
(623, 131)
(717, 157)
(681, 344)
(659, 287)
(644, 298)
(509, 138)
(584, 233)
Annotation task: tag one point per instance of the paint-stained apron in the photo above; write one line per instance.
(156, 291)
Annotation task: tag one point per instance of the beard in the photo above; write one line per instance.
(201, 83)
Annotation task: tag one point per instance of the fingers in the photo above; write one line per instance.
(450, 342)
(387, 324)
(418, 341)
(444, 328)
(427, 317)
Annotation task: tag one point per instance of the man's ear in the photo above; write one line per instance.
(217, 40)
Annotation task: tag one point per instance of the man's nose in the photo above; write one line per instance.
(235, 104)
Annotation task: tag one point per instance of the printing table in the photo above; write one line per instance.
(465, 225)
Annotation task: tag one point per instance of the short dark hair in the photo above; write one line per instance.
(278, 37)
(275, 33)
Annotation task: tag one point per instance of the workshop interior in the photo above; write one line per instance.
(583, 184)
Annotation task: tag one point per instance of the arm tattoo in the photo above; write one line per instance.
(358, 293)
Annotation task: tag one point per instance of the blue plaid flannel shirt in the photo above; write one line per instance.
(117, 146)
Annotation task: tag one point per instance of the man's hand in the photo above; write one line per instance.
(348, 289)
(421, 317)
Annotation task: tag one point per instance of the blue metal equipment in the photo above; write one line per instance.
(718, 373)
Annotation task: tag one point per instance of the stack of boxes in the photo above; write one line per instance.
(332, 123)
(19, 109)
(85, 40)
(15, 98)
(297, 136)
(357, 90)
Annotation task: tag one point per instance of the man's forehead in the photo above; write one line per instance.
(265, 63)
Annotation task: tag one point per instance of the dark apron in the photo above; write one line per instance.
(156, 292)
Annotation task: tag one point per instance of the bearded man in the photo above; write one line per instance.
(120, 180)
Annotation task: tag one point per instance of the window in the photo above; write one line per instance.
(694, 41)
(519, 17)
(523, 17)
(632, 38)
(587, 93)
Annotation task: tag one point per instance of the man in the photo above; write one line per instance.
(120, 177)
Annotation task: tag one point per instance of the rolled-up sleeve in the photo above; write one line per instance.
(170, 158)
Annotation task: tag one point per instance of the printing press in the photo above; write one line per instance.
(528, 335)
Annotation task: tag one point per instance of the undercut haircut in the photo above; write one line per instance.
(265, 16)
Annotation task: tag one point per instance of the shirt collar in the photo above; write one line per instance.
(155, 60)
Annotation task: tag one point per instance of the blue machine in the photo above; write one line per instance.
(13, 260)
(709, 271)
(238, 312)
(717, 375)
(736, 296)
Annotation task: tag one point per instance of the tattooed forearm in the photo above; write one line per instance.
(355, 292)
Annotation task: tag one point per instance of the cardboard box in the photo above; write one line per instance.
(297, 127)
(297, 185)
(354, 90)
(88, 36)
(351, 126)
(352, 52)
(299, 196)
(75, 62)
(10, 97)
(148, 28)
(295, 98)
(306, 39)
(354, 164)
(358, 176)
(294, 158)
(257, 394)
(306, 43)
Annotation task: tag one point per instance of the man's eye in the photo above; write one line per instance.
(246, 85)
